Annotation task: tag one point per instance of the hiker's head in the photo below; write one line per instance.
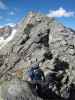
(35, 66)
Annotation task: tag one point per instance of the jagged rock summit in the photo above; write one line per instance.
(30, 41)
(41, 37)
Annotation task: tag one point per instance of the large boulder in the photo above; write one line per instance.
(17, 90)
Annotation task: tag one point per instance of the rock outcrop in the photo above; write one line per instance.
(44, 38)
(17, 90)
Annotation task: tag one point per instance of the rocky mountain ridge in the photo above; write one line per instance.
(44, 38)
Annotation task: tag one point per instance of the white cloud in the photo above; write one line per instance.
(10, 24)
(12, 13)
(1, 26)
(3, 6)
(61, 12)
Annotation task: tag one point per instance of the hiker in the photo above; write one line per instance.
(36, 76)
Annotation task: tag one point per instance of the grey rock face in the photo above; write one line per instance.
(17, 90)
(41, 37)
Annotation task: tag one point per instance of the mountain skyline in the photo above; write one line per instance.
(12, 11)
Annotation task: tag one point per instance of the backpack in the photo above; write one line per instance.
(35, 74)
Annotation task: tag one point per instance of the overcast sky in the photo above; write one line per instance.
(11, 11)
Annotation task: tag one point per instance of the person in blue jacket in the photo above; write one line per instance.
(36, 75)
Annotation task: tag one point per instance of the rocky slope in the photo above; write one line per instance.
(44, 38)
(16, 90)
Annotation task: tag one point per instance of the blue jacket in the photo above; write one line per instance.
(36, 74)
